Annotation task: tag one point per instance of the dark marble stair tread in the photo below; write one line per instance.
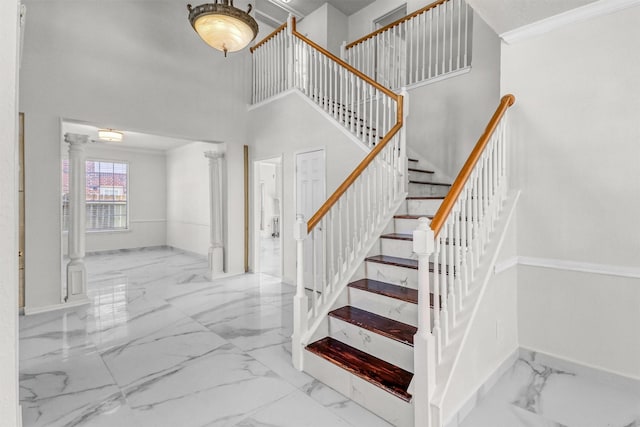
(430, 183)
(392, 260)
(380, 325)
(413, 216)
(420, 170)
(401, 293)
(413, 160)
(425, 198)
(399, 262)
(398, 236)
(389, 377)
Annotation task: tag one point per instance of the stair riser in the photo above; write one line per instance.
(427, 190)
(387, 406)
(397, 248)
(404, 225)
(419, 176)
(395, 275)
(423, 207)
(372, 343)
(391, 308)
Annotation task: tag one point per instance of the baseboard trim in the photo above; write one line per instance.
(591, 10)
(28, 311)
(559, 264)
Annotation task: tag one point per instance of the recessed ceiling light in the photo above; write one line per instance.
(110, 135)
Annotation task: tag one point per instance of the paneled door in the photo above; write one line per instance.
(310, 195)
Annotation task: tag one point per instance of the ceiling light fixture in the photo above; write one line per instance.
(223, 26)
(110, 135)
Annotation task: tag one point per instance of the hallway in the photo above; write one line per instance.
(160, 346)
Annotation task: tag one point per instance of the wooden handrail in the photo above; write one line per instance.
(344, 64)
(269, 37)
(315, 219)
(395, 23)
(447, 204)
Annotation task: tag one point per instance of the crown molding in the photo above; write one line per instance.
(588, 11)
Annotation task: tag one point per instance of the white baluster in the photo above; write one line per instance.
(459, 2)
(300, 300)
(442, 272)
(437, 299)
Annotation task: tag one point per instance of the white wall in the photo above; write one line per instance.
(109, 64)
(577, 158)
(326, 26)
(361, 22)
(147, 200)
(188, 197)
(8, 215)
(291, 125)
(446, 118)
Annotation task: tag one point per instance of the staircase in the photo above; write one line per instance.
(370, 335)
(397, 260)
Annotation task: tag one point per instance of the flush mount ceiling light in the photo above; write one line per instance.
(110, 135)
(223, 26)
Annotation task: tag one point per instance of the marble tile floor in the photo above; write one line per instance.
(161, 346)
(540, 391)
(270, 256)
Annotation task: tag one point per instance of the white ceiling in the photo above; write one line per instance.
(279, 10)
(506, 15)
(131, 139)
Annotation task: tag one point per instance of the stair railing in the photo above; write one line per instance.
(451, 248)
(286, 59)
(331, 243)
(426, 44)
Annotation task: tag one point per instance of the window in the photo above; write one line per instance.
(105, 194)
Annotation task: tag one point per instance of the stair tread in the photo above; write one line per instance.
(392, 260)
(425, 198)
(385, 375)
(380, 325)
(429, 183)
(398, 236)
(413, 160)
(400, 262)
(420, 170)
(406, 216)
(401, 293)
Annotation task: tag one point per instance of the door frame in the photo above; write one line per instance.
(255, 229)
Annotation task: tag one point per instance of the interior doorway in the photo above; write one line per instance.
(268, 220)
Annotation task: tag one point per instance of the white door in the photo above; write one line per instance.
(310, 196)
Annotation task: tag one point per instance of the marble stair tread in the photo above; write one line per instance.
(404, 216)
(413, 160)
(399, 262)
(444, 184)
(389, 290)
(392, 260)
(375, 323)
(398, 236)
(420, 170)
(383, 374)
(425, 198)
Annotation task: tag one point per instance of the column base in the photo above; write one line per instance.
(216, 262)
(76, 281)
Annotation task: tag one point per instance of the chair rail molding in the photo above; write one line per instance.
(560, 264)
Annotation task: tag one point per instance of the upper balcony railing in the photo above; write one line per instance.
(426, 44)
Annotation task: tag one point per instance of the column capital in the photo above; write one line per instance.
(214, 154)
(75, 138)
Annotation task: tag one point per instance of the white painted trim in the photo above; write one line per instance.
(135, 221)
(439, 78)
(559, 264)
(591, 10)
(28, 311)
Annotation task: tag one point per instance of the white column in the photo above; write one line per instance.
(300, 300)
(76, 271)
(216, 247)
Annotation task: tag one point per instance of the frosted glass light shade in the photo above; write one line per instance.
(223, 26)
(110, 135)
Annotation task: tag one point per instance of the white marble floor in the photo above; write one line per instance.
(160, 346)
(270, 260)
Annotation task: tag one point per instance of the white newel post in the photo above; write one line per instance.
(424, 343)
(300, 301)
(343, 51)
(76, 270)
(216, 246)
(291, 62)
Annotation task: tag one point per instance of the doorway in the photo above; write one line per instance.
(268, 220)
(310, 195)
